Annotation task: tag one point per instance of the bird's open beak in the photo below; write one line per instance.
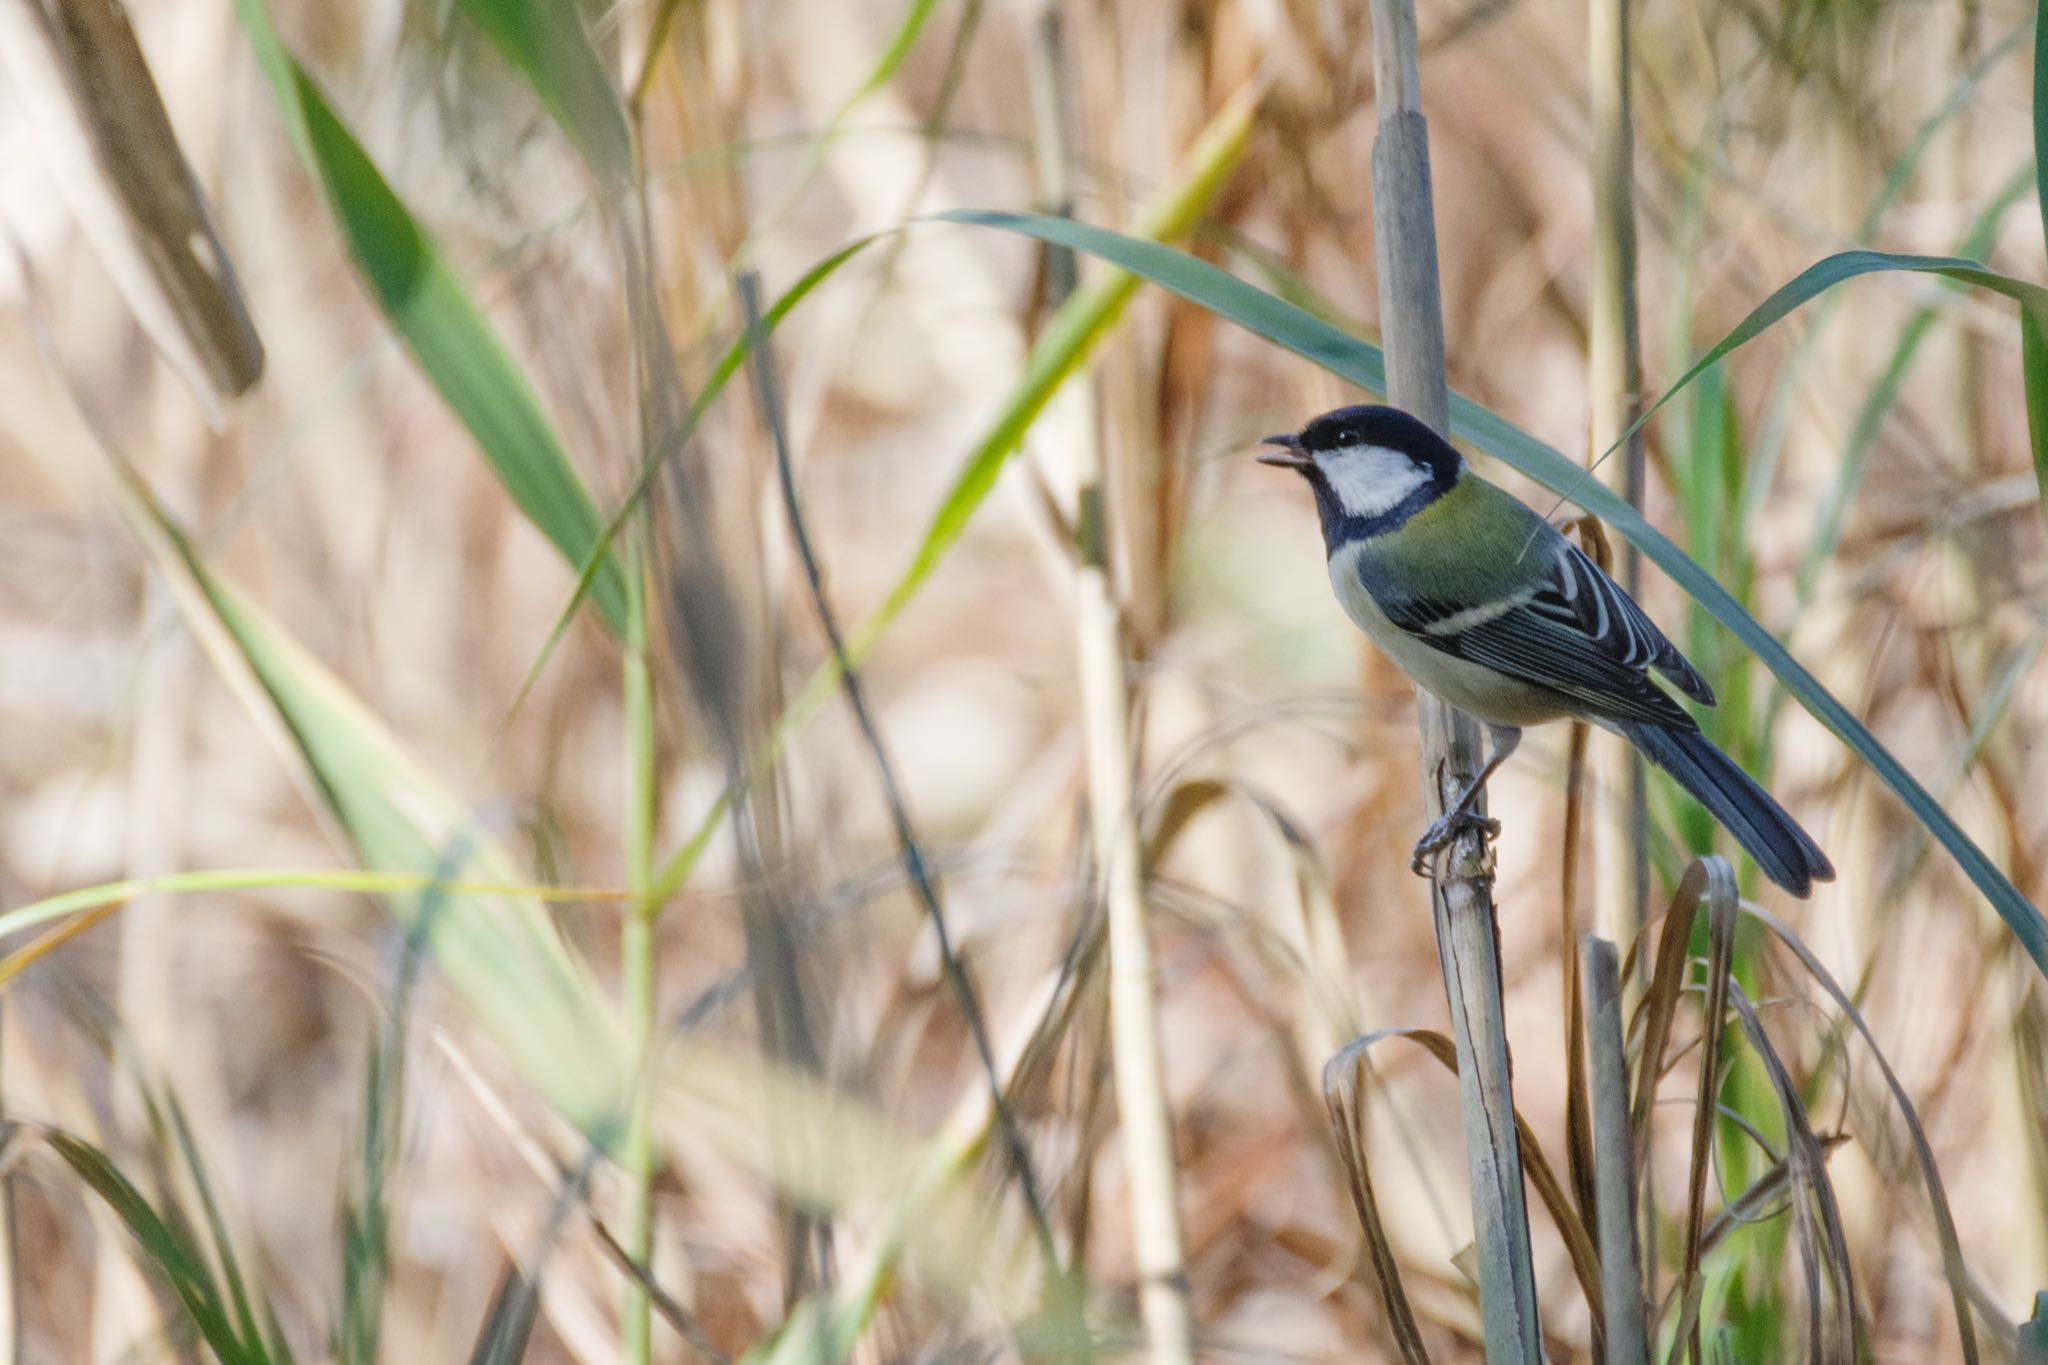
(1289, 456)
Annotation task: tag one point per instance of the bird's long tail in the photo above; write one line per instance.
(1785, 852)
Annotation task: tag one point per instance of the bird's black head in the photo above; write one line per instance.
(1371, 468)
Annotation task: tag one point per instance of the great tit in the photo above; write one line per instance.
(1483, 602)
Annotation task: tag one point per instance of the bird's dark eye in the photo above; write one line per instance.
(1348, 436)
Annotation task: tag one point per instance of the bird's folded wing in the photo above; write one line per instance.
(1576, 592)
(1537, 644)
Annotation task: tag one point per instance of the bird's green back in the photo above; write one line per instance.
(1476, 543)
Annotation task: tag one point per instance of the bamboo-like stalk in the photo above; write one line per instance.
(1468, 949)
(636, 970)
(1621, 868)
(1621, 1278)
(1142, 1108)
(1144, 1115)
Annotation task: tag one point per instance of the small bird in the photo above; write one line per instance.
(1483, 602)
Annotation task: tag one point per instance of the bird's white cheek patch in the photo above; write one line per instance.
(1371, 480)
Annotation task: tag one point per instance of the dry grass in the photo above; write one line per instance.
(1275, 759)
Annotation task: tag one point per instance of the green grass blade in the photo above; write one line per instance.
(365, 1232)
(168, 1247)
(1830, 271)
(432, 311)
(2033, 1342)
(500, 952)
(508, 1323)
(2034, 376)
(721, 374)
(1362, 364)
(238, 1299)
(546, 40)
(1065, 344)
(901, 40)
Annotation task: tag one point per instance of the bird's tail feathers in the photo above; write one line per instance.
(1785, 852)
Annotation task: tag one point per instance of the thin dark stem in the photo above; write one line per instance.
(768, 396)
(659, 1299)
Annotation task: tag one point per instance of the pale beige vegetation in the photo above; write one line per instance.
(1275, 789)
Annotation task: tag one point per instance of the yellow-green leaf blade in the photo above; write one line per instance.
(2034, 321)
(433, 313)
(500, 952)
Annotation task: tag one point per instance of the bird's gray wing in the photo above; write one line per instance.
(1526, 638)
(1576, 592)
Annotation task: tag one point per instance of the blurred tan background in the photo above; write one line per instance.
(355, 510)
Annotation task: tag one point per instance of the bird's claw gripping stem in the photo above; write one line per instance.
(1444, 829)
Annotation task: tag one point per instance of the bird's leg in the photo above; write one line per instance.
(1458, 817)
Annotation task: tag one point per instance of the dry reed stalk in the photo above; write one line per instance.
(108, 140)
(1142, 1107)
(1467, 938)
(83, 81)
(1621, 1278)
(1144, 1114)
(1621, 868)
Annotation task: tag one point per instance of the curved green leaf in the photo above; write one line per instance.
(433, 313)
(169, 1242)
(1824, 275)
(498, 950)
(1362, 363)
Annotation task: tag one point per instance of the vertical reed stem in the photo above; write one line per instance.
(1145, 1118)
(1621, 1279)
(1146, 1122)
(1467, 940)
(1621, 881)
